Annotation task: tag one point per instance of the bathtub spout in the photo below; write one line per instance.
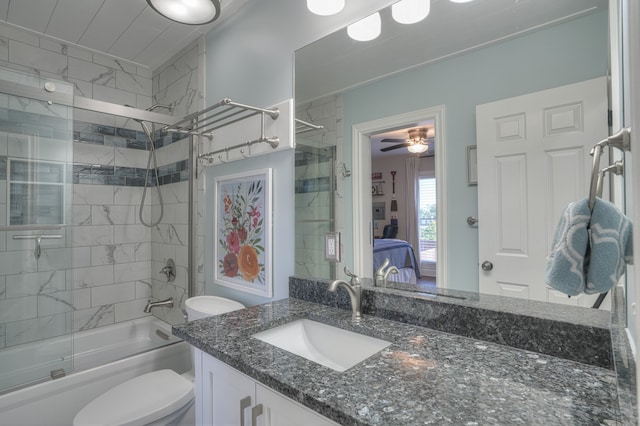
(167, 303)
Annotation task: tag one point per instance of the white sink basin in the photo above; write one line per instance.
(205, 306)
(327, 345)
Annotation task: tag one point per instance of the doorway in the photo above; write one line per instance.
(362, 184)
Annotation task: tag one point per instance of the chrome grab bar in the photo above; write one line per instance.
(37, 252)
(36, 237)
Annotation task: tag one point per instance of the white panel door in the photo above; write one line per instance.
(533, 159)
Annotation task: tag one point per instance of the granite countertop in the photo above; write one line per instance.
(424, 377)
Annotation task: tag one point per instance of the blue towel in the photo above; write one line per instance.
(611, 247)
(565, 265)
(589, 251)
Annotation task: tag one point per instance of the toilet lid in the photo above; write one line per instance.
(138, 401)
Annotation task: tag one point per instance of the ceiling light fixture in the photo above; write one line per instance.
(190, 12)
(460, 1)
(366, 29)
(410, 11)
(325, 7)
(417, 139)
(418, 148)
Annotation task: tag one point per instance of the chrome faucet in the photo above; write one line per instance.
(355, 292)
(381, 275)
(167, 303)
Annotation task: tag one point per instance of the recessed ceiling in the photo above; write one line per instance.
(125, 29)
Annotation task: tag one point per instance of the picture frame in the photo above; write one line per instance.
(472, 165)
(242, 231)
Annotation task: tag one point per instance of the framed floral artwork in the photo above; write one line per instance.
(243, 231)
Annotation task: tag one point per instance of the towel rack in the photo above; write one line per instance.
(622, 141)
(305, 126)
(221, 114)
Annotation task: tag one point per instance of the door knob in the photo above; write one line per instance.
(486, 265)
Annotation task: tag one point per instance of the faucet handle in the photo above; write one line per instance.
(355, 280)
(348, 272)
(382, 267)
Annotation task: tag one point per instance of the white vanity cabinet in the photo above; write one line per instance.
(226, 397)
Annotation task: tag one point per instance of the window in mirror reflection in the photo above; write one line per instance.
(427, 220)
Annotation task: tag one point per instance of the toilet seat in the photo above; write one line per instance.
(138, 401)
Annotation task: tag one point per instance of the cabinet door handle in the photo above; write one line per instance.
(255, 413)
(244, 404)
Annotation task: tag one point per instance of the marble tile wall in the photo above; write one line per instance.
(93, 75)
(179, 83)
(314, 173)
(101, 271)
(98, 272)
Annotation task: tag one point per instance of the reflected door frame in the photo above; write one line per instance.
(361, 186)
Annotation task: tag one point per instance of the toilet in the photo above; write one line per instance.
(161, 397)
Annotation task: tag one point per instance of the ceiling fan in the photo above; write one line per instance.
(417, 143)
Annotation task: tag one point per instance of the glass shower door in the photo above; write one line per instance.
(315, 212)
(36, 259)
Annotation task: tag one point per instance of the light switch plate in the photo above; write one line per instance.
(332, 246)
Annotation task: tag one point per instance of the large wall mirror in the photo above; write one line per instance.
(424, 80)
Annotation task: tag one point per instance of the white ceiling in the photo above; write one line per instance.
(126, 29)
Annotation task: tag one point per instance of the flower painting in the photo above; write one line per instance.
(243, 231)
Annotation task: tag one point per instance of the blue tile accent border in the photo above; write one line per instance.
(21, 122)
(92, 174)
(95, 174)
(121, 137)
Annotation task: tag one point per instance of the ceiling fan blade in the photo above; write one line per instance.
(393, 140)
(389, 148)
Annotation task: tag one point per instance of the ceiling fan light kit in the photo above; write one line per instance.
(190, 12)
(418, 148)
(417, 143)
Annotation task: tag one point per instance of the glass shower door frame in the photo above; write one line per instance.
(36, 294)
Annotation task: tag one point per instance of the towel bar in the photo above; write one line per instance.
(622, 141)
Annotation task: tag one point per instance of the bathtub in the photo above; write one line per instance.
(104, 357)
